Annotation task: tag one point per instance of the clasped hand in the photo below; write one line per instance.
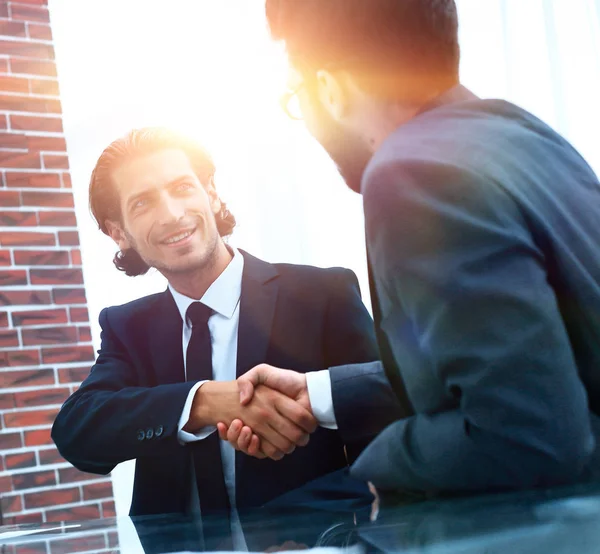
(249, 438)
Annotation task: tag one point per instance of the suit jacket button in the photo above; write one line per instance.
(158, 431)
(149, 434)
(141, 435)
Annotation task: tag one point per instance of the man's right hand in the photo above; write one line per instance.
(279, 421)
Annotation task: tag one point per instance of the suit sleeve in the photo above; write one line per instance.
(456, 256)
(363, 401)
(111, 419)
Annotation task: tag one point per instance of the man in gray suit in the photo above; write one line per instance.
(484, 248)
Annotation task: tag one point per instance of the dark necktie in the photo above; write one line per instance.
(388, 360)
(207, 452)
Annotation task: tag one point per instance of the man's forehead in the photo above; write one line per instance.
(152, 170)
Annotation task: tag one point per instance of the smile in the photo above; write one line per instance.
(179, 238)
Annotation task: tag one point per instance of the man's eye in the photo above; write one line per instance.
(140, 204)
(182, 187)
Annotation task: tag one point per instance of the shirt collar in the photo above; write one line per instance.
(224, 293)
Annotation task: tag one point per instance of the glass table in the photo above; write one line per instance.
(556, 521)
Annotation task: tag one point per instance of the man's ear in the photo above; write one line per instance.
(332, 93)
(118, 235)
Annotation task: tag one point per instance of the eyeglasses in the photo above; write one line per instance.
(290, 103)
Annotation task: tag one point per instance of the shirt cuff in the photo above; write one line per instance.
(184, 436)
(318, 384)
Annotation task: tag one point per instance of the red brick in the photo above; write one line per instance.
(9, 338)
(12, 28)
(9, 198)
(32, 180)
(3, 319)
(51, 498)
(47, 87)
(66, 177)
(76, 315)
(31, 418)
(25, 297)
(72, 374)
(9, 441)
(4, 8)
(84, 334)
(28, 378)
(47, 144)
(73, 475)
(13, 84)
(23, 519)
(48, 199)
(41, 397)
(41, 257)
(39, 32)
(35, 123)
(58, 219)
(67, 354)
(76, 513)
(3, 117)
(3, 66)
(5, 484)
(14, 219)
(32, 104)
(13, 140)
(41, 336)
(29, 13)
(34, 479)
(15, 238)
(109, 509)
(50, 456)
(55, 161)
(7, 401)
(113, 536)
(16, 358)
(10, 504)
(12, 160)
(20, 461)
(80, 544)
(36, 2)
(75, 257)
(97, 490)
(39, 317)
(5, 258)
(38, 438)
(69, 296)
(26, 49)
(12, 277)
(33, 67)
(68, 238)
(72, 276)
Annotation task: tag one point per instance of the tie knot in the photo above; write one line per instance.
(198, 314)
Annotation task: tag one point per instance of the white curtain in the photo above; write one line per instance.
(208, 66)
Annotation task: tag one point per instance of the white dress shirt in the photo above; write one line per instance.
(223, 297)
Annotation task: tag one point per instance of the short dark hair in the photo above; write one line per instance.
(104, 197)
(377, 39)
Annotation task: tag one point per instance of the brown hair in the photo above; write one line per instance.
(104, 198)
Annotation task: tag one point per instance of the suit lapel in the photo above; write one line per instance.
(164, 340)
(257, 309)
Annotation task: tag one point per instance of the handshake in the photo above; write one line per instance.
(265, 413)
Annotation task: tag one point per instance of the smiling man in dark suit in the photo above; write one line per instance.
(166, 370)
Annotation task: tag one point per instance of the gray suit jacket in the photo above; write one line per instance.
(483, 231)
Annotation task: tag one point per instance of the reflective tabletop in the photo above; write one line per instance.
(560, 520)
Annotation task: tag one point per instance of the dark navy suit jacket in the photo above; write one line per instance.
(483, 232)
(291, 316)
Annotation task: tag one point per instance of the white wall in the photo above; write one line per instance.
(207, 66)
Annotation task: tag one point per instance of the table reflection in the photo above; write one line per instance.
(557, 521)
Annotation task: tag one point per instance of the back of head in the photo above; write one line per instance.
(380, 41)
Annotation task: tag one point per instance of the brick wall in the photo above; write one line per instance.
(45, 342)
